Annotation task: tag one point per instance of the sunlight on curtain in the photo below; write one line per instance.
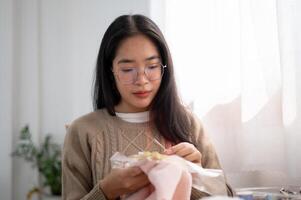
(202, 54)
(259, 55)
(235, 63)
(288, 27)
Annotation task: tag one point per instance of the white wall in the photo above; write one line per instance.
(6, 51)
(26, 85)
(70, 36)
(48, 54)
(71, 32)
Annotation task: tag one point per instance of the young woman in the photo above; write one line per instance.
(136, 108)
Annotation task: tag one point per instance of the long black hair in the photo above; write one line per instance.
(166, 111)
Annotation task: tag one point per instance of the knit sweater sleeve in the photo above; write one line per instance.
(209, 156)
(77, 181)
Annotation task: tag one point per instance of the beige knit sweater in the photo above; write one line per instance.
(92, 139)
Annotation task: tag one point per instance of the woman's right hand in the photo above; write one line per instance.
(123, 181)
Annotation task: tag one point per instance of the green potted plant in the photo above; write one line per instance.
(46, 158)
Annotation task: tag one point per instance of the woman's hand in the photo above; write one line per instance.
(123, 181)
(186, 151)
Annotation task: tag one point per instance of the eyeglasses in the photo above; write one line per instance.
(129, 75)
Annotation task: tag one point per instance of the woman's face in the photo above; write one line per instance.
(135, 54)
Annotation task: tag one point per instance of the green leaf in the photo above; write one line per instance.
(46, 158)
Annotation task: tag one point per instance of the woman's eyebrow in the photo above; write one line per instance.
(125, 60)
(152, 58)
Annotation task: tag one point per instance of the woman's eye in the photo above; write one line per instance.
(127, 70)
(151, 67)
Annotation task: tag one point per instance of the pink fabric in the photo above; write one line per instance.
(169, 179)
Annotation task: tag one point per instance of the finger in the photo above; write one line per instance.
(184, 152)
(168, 151)
(184, 145)
(139, 182)
(133, 171)
(181, 146)
(174, 149)
(177, 147)
(194, 157)
(142, 179)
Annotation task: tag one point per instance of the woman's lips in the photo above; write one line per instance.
(142, 94)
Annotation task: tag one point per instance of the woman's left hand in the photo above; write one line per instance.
(187, 151)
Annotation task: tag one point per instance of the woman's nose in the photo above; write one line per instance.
(141, 78)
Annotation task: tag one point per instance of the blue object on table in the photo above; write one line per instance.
(246, 195)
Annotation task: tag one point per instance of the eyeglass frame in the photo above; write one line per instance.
(137, 74)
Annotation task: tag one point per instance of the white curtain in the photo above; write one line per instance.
(237, 64)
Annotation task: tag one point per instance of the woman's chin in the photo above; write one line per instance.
(140, 107)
